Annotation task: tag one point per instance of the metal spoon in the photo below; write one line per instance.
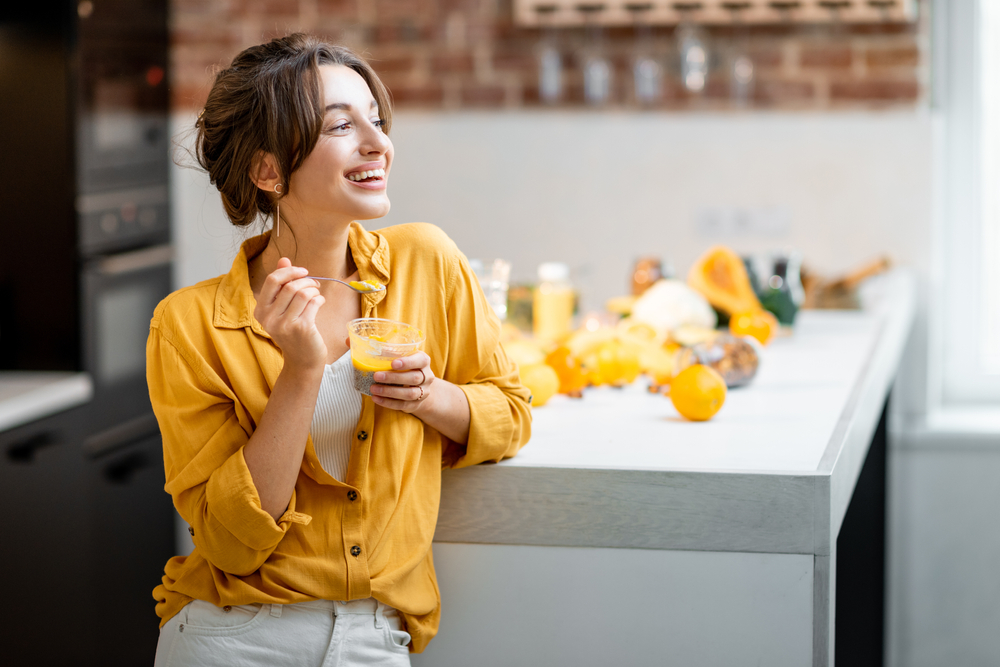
(359, 290)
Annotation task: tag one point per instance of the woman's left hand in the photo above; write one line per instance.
(407, 386)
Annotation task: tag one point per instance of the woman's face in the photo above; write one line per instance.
(333, 180)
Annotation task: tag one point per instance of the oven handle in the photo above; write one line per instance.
(24, 450)
(123, 470)
(137, 260)
(121, 436)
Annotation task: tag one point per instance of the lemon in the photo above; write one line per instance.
(620, 305)
(659, 363)
(543, 382)
(524, 352)
(638, 330)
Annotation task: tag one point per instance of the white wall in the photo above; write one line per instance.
(597, 190)
(944, 550)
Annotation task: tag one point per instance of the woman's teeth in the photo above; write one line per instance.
(362, 175)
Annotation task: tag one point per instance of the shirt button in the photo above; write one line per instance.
(352, 495)
(191, 530)
(362, 435)
(355, 551)
(227, 609)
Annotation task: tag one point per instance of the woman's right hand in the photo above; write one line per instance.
(287, 308)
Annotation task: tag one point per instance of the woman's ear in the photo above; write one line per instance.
(264, 172)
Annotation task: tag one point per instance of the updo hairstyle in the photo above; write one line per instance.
(270, 99)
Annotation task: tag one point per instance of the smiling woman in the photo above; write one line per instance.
(312, 507)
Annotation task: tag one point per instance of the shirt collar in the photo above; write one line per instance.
(234, 300)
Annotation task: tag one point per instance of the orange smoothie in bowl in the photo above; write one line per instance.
(375, 342)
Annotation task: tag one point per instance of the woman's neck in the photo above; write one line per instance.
(327, 255)
(324, 254)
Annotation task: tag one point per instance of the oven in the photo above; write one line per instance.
(119, 294)
(122, 132)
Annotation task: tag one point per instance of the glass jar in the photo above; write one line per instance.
(553, 302)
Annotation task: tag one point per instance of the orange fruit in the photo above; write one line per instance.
(698, 392)
(569, 369)
(542, 381)
(760, 324)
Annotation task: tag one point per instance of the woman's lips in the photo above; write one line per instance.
(371, 179)
(373, 184)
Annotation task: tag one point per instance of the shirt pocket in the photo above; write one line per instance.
(205, 619)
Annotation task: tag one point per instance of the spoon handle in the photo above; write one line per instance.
(346, 284)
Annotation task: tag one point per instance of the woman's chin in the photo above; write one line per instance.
(374, 212)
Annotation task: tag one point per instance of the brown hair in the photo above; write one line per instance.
(270, 100)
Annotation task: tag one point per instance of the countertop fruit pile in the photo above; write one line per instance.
(669, 333)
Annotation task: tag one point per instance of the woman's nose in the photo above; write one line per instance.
(376, 141)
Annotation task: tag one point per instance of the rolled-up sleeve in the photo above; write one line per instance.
(499, 404)
(204, 432)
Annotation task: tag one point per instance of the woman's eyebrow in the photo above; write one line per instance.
(343, 106)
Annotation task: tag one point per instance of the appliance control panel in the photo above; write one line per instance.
(113, 221)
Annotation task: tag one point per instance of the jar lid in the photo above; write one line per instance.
(553, 272)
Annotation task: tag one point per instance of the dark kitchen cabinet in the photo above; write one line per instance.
(45, 542)
(87, 529)
(130, 520)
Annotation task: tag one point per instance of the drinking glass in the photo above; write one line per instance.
(550, 65)
(646, 71)
(494, 277)
(375, 342)
(596, 67)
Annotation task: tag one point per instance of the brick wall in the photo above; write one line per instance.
(469, 54)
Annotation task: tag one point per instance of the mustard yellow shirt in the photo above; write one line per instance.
(210, 369)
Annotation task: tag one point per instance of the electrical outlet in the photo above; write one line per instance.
(730, 221)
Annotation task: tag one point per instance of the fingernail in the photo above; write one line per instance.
(397, 364)
(380, 377)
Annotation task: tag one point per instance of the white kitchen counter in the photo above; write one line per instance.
(30, 395)
(618, 488)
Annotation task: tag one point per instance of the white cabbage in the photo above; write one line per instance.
(669, 304)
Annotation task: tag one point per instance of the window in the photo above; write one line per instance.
(967, 95)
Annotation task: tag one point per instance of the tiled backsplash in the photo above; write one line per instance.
(469, 54)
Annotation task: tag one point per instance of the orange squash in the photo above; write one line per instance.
(719, 276)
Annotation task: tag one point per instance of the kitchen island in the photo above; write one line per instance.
(622, 534)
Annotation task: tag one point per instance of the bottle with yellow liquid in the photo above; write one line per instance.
(552, 305)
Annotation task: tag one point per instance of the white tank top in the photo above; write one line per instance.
(338, 408)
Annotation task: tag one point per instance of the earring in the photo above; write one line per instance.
(277, 213)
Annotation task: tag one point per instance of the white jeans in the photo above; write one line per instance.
(307, 634)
